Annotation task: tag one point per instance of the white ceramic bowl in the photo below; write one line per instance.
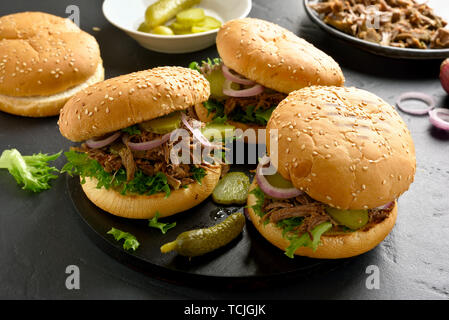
(128, 14)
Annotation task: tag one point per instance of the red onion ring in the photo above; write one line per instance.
(253, 91)
(148, 145)
(235, 78)
(416, 96)
(385, 206)
(197, 133)
(437, 121)
(96, 144)
(270, 190)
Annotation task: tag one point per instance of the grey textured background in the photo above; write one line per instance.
(41, 234)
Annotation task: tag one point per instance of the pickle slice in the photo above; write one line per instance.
(201, 241)
(232, 189)
(191, 16)
(353, 219)
(211, 129)
(276, 180)
(209, 23)
(163, 124)
(216, 80)
(163, 10)
(163, 30)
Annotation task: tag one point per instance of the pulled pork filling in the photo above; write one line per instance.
(117, 155)
(312, 212)
(260, 102)
(396, 23)
(254, 110)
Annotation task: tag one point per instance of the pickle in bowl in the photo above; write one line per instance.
(163, 10)
(187, 19)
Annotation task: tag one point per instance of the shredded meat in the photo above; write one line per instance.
(312, 209)
(313, 213)
(265, 100)
(150, 162)
(397, 23)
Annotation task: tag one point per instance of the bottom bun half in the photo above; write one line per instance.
(333, 246)
(46, 106)
(145, 207)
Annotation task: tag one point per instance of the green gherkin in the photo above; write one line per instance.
(201, 241)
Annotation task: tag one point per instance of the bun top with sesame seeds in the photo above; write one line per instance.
(275, 57)
(42, 54)
(346, 147)
(130, 99)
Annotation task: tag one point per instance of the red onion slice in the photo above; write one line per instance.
(235, 78)
(437, 120)
(197, 133)
(96, 144)
(385, 206)
(253, 91)
(279, 193)
(148, 145)
(416, 96)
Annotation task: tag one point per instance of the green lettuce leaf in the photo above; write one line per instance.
(305, 241)
(33, 171)
(260, 196)
(251, 115)
(80, 164)
(164, 227)
(210, 62)
(198, 173)
(132, 130)
(130, 240)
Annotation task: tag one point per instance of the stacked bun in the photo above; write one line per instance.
(44, 60)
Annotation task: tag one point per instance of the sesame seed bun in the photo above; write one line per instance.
(344, 147)
(332, 246)
(145, 207)
(43, 57)
(275, 57)
(45, 106)
(130, 99)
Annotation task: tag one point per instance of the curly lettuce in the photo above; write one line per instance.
(80, 164)
(33, 172)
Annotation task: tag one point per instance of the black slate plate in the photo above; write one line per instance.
(392, 52)
(248, 258)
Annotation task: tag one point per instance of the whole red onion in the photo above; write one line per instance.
(444, 75)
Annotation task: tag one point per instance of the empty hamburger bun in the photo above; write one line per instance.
(332, 246)
(275, 57)
(145, 207)
(344, 147)
(44, 60)
(130, 99)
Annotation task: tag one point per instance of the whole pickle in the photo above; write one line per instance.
(201, 241)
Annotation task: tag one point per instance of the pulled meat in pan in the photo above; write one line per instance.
(396, 23)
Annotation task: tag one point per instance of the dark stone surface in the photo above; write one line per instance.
(41, 234)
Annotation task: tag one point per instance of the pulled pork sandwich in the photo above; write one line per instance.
(260, 64)
(344, 158)
(130, 125)
(44, 61)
